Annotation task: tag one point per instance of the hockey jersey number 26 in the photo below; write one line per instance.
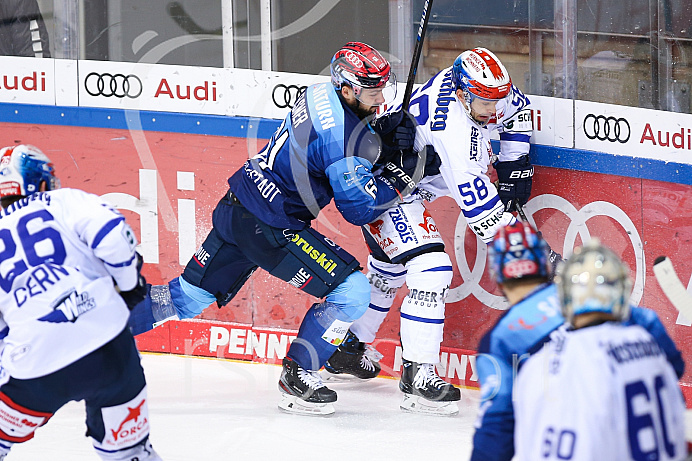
(61, 252)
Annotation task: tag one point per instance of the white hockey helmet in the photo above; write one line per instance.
(22, 169)
(480, 74)
(594, 279)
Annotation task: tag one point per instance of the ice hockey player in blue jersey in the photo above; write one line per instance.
(455, 111)
(602, 388)
(518, 257)
(69, 274)
(324, 149)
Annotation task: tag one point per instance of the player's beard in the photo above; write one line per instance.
(361, 110)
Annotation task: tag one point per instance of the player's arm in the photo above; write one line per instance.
(493, 439)
(514, 169)
(649, 320)
(478, 199)
(358, 195)
(104, 230)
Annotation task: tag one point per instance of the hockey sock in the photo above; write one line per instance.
(319, 335)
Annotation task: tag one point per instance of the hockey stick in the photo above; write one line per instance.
(520, 211)
(672, 286)
(427, 7)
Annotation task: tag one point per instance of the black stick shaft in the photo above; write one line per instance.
(427, 8)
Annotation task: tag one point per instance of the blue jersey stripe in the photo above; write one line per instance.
(439, 269)
(110, 225)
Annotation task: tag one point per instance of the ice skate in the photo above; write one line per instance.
(425, 392)
(302, 391)
(353, 359)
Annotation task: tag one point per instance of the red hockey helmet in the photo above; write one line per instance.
(364, 69)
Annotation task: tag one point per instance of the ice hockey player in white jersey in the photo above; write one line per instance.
(68, 275)
(454, 112)
(604, 389)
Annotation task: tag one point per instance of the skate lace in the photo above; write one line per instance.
(427, 375)
(372, 354)
(312, 379)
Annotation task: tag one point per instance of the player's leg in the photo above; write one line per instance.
(422, 322)
(23, 412)
(117, 403)
(215, 273)
(314, 264)
(355, 356)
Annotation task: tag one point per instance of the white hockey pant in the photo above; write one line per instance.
(428, 277)
(385, 280)
(423, 309)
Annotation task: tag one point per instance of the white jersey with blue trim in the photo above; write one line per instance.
(600, 392)
(63, 251)
(465, 151)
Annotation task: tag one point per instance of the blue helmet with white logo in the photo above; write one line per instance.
(518, 252)
(22, 169)
(594, 279)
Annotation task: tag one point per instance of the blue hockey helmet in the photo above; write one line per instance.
(518, 252)
(594, 279)
(22, 169)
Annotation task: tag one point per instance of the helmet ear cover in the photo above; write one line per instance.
(22, 170)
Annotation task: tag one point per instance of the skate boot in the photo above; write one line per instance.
(352, 358)
(302, 391)
(425, 392)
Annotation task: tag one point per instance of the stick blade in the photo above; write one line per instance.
(672, 286)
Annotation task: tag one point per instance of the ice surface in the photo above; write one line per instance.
(208, 409)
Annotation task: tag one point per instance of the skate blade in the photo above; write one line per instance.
(416, 404)
(298, 406)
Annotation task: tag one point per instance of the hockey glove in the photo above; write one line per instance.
(403, 171)
(139, 292)
(397, 131)
(514, 181)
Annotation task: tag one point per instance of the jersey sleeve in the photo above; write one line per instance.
(648, 319)
(103, 229)
(493, 439)
(478, 199)
(359, 196)
(515, 127)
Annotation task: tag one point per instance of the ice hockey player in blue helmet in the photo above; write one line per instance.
(70, 274)
(594, 390)
(518, 257)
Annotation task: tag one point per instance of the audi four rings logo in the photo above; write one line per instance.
(606, 128)
(286, 95)
(118, 85)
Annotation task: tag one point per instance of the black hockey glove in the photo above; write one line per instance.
(139, 292)
(514, 181)
(403, 172)
(397, 131)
